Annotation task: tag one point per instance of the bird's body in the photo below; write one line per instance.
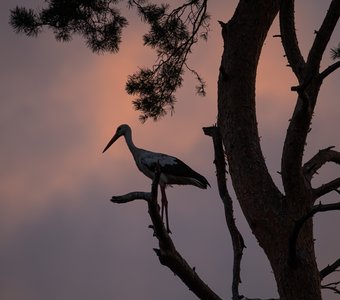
(173, 170)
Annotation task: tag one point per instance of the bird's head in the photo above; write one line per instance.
(121, 130)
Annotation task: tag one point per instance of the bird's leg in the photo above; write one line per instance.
(164, 201)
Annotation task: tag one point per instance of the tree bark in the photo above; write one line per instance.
(269, 213)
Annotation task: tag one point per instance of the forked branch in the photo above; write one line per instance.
(167, 253)
(318, 160)
(333, 286)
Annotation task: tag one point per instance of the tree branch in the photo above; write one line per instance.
(289, 38)
(326, 188)
(167, 253)
(333, 286)
(236, 237)
(318, 160)
(293, 181)
(329, 70)
(293, 258)
(330, 269)
(323, 35)
(131, 197)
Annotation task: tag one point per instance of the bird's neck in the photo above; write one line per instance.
(129, 142)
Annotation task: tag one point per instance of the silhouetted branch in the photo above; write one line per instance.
(167, 253)
(329, 70)
(293, 259)
(319, 159)
(294, 145)
(330, 269)
(236, 237)
(99, 22)
(131, 197)
(335, 52)
(333, 286)
(326, 188)
(172, 34)
(323, 35)
(289, 38)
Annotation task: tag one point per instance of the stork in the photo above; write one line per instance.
(173, 170)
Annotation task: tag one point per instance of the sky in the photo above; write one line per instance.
(61, 237)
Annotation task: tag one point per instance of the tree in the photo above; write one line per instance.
(281, 222)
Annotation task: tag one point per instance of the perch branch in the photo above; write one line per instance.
(319, 159)
(131, 197)
(293, 259)
(236, 237)
(167, 253)
(330, 269)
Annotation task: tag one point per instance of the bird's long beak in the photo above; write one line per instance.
(115, 137)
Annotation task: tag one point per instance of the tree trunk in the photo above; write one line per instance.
(270, 215)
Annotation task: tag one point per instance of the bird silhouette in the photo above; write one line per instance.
(172, 169)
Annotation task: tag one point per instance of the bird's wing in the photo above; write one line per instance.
(150, 160)
(175, 170)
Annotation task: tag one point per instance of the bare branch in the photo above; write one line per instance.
(333, 286)
(293, 181)
(167, 253)
(329, 70)
(323, 35)
(236, 237)
(326, 188)
(318, 160)
(330, 269)
(293, 258)
(131, 197)
(289, 38)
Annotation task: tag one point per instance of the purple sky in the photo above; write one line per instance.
(60, 236)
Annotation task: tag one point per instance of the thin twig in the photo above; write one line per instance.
(333, 286)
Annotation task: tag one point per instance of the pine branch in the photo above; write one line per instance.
(99, 22)
(335, 52)
(172, 34)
